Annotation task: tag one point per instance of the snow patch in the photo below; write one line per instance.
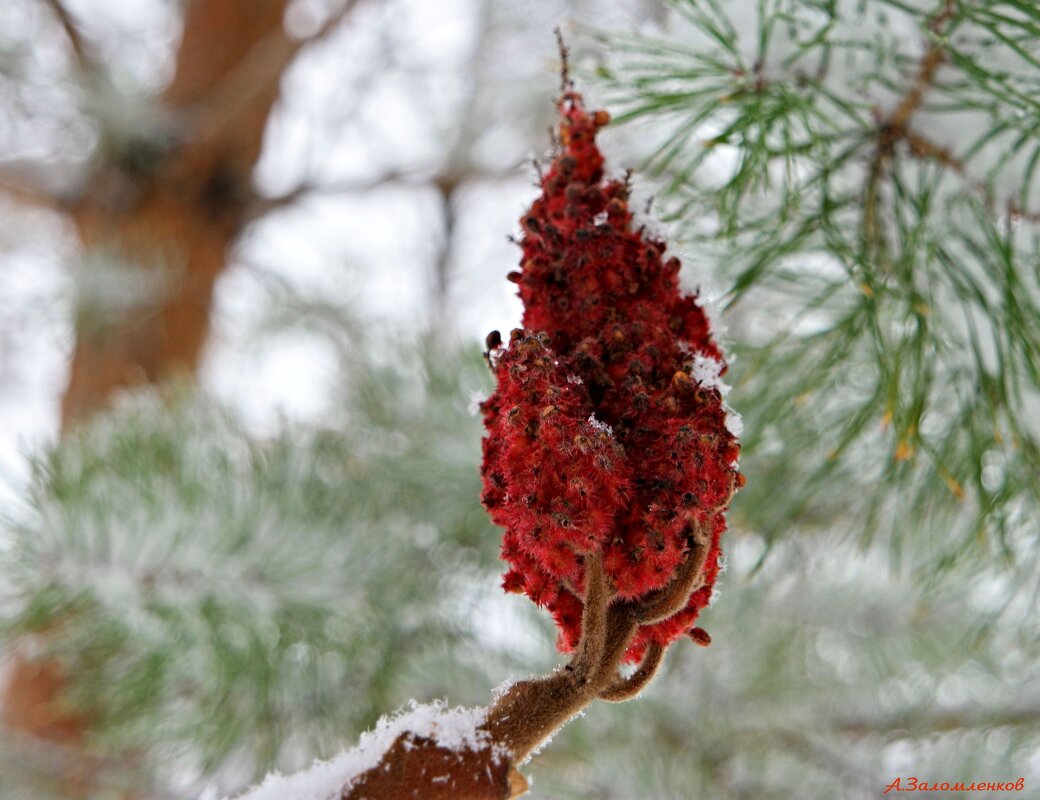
(640, 205)
(707, 371)
(599, 425)
(453, 729)
(734, 422)
(500, 691)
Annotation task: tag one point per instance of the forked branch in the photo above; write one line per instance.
(530, 711)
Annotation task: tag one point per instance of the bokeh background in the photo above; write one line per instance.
(250, 251)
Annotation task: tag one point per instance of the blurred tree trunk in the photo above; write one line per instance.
(172, 208)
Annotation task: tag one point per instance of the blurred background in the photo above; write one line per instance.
(250, 251)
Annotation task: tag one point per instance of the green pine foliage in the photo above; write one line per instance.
(860, 180)
(226, 605)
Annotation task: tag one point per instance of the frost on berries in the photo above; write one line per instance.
(607, 431)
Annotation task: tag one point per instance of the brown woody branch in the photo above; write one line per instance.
(530, 711)
(255, 76)
(930, 62)
(894, 129)
(391, 178)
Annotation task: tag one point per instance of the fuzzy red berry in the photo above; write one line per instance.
(607, 430)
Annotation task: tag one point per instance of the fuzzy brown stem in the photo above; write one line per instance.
(673, 598)
(593, 620)
(626, 688)
(621, 627)
(532, 710)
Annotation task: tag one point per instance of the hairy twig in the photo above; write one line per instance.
(673, 598)
(593, 620)
(566, 84)
(626, 688)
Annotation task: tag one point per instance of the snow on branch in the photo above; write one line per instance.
(457, 730)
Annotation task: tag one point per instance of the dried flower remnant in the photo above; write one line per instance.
(607, 431)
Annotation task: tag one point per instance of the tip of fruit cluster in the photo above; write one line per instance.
(572, 105)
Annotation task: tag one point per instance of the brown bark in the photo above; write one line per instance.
(448, 774)
(31, 703)
(173, 212)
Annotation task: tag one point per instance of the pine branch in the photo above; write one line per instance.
(895, 128)
(933, 58)
(928, 721)
(885, 254)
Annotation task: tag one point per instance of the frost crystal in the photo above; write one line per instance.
(707, 371)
